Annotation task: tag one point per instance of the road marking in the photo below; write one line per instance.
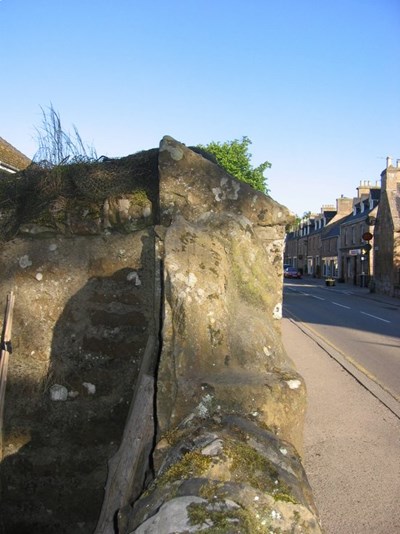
(315, 297)
(375, 317)
(389, 399)
(341, 305)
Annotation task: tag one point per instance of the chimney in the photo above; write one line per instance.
(390, 177)
(388, 162)
(344, 205)
(363, 189)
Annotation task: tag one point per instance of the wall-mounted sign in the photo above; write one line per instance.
(354, 251)
(367, 236)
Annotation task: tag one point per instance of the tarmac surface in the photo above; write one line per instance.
(351, 439)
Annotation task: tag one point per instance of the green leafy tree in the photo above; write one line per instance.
(234, 156)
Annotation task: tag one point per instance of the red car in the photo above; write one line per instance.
(291, 272)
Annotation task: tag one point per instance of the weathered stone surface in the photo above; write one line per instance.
(83, 326)
(224, 474)
(195, 188)
(129, 212)
(184, 247)
(222, 302)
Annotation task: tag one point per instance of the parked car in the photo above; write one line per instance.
(291, 272)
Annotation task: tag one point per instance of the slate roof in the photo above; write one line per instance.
(333, 229)
(358, 216)
(11, 157)
(375, 193)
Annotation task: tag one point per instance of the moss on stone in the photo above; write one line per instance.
(140, 197)
(193, 464)
(211, 489)
(174, 435)
(250, 466)
(285, 497)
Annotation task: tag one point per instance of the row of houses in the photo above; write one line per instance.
(356, 241)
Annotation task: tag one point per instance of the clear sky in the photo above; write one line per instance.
(315, 84)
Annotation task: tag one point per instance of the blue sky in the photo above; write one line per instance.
(315, 84)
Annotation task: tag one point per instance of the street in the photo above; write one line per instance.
(364, 331)
(341, 339)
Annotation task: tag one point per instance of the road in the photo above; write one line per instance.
(364, 331)
(351, 437)
(351, 444)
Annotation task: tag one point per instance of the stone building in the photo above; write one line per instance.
(331, 243)
(355, 260)
(386, 244)
(11, 159)
(330, 238)
(303, 243)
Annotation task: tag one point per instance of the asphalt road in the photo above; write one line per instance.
(351, 440)
(362, 330)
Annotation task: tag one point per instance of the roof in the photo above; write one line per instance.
(12, 159)
(350, 219)
(375, 193)
(333, 229)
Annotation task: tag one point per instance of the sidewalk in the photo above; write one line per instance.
(351, 441)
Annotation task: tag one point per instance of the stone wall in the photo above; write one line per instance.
(387, 234)
(182, 253)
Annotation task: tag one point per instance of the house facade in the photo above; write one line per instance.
(386, 242)
(330, 238)
(356, 255)
(303, 243)
(335, 242)
(11, 159)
